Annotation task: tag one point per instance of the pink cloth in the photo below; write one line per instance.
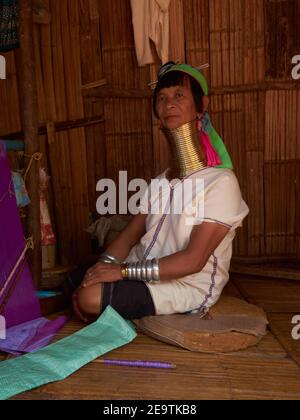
(211, 155)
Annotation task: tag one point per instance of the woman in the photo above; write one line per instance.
(174, 263)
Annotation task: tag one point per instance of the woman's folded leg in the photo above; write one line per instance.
(131, 299)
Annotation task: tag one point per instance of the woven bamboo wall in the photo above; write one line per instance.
(95, 107)
(255, 106)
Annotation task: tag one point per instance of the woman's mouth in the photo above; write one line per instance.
(170, 117)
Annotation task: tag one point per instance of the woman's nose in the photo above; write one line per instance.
(170, 103)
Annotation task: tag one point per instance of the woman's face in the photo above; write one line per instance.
(175, 106)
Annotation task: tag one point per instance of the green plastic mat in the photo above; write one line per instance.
(59, 360)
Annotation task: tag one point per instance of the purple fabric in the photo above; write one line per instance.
(23, 305)
(30, 336)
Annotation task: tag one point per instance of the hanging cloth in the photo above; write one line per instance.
(9, 36)
(151, 22)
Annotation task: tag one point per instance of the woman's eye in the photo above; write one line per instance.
(179, 95)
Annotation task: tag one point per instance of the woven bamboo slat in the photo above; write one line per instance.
(118, 51)
(67, 188)
(228, 117)
(282, 44)
(65, 59)
(79, 194)
(10, 96)
(253, 129)
(233, 126)
(48, 70)
(176, 13)
(58, 65)
(91, 58)
(197, 33)
(282, 137)
(55, 155)
(54, 66)
(236, 42)
(72, 68)
(297, 219)
(280, 207)
(41, 97)
(255, 196)
(161, 150)
(95, 150)
(215, 45)
(128, 138)
(13, 94)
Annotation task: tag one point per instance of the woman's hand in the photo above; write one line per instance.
(102, 273)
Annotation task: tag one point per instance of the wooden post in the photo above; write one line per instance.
(30, 128)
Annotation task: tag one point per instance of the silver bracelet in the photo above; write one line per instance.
(155, 272)
(149, 270)
(108, 259)
(139, 270)
(145, 270)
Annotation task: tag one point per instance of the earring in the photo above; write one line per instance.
(199, 122)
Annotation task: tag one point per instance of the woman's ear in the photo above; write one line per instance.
(205, 101)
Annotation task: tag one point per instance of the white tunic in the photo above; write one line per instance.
(167, 234)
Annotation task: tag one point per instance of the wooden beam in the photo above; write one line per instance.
(106, 92)
(30, 127)
(59, 126)
(94, 85)
(261, 87)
